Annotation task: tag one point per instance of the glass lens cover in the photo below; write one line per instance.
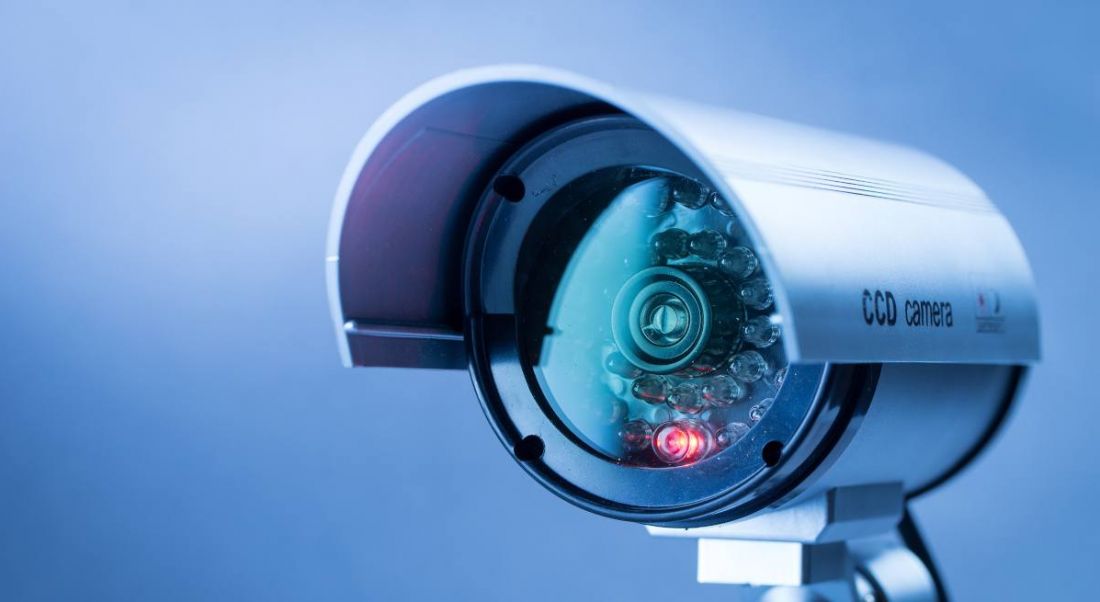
(646, 318)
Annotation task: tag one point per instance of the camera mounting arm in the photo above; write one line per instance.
(849, 543)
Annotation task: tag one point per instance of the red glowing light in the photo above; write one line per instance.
(681, 442)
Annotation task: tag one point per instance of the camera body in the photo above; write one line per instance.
(679, 315)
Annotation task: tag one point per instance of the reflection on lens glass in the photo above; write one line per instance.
(649, 324)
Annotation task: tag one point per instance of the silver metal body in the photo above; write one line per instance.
(879, 254)
(833, 215)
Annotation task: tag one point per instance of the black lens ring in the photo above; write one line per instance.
(820, 409)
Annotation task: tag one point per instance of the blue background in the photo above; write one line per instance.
(174, 422)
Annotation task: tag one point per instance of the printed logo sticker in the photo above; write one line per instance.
(988, 310)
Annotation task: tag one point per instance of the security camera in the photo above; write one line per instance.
(761, 335)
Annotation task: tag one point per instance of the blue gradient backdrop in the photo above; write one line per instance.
(174, 424)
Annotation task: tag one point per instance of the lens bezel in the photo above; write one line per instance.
(815, 408)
